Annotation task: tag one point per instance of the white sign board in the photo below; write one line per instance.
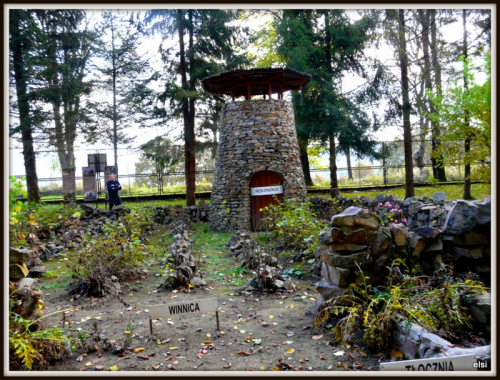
(267, 190)
(196, 306)
(449, 363)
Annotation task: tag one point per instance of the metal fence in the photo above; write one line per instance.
(389, 171)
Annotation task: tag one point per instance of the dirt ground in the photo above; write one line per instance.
(258, 331)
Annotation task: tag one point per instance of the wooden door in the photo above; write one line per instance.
(263, 188)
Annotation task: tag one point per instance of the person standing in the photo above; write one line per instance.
(113, 186)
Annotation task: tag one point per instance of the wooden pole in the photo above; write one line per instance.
(217, 317)
(151, 326)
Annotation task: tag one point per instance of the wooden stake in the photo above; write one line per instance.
(217, 317)
(151, 325)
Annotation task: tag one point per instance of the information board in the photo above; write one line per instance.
(448, 363)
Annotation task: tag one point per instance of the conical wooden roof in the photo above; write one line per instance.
(247, 83)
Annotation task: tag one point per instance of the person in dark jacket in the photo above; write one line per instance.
(113, 186)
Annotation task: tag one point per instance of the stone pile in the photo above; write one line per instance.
(24, 263)
(356, 240)
(181, 259)
(94, 213)
(324, 208)
(268, 272)
(173, 215)
(243, 247)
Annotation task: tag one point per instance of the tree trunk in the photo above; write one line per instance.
(304, 161)
(115, 115)
(16, 47)
(187, 110)
(334, 185)
(403, 58)
(437, 159)
(467, 184)
(349, 165)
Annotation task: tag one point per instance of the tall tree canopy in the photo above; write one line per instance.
(206, 44)
(326, 44)
(121, 82)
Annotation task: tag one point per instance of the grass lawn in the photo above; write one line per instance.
(453, 192)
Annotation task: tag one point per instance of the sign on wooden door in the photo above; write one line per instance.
(263, 188)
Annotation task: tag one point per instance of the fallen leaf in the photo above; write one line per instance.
(80, 358)
(275, 368)
(243, 353)
(346, 366)
(362, 353)
(339, 353)
(351, 356)
(248, 339)
(271, 316)
(290, 351)
(143, 357)
(207, 341)
(97, 360)
(227, 366)
(208, 335)
(139, 349)
(263, 368)
(256, 341)
(316, 337)
(99, 367)
(88, 364)
(322, 357)
(173, 348)
(113, 368)
(397, 354)
(290, 333)
(358, 365)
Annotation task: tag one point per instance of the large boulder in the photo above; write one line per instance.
(356, 217)
(462, 218)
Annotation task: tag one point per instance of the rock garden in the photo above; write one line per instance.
(332, 285)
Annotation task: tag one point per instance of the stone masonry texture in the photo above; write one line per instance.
(256, 135)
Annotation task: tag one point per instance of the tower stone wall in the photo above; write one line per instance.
(256, 135)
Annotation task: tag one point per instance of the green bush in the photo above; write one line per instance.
(119, 247)
(293, 224)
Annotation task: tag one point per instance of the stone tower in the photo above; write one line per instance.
(258, 159)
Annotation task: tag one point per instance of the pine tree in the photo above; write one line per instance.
(22, 28)
(64, 55)
(122, 78)
(206, 41)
